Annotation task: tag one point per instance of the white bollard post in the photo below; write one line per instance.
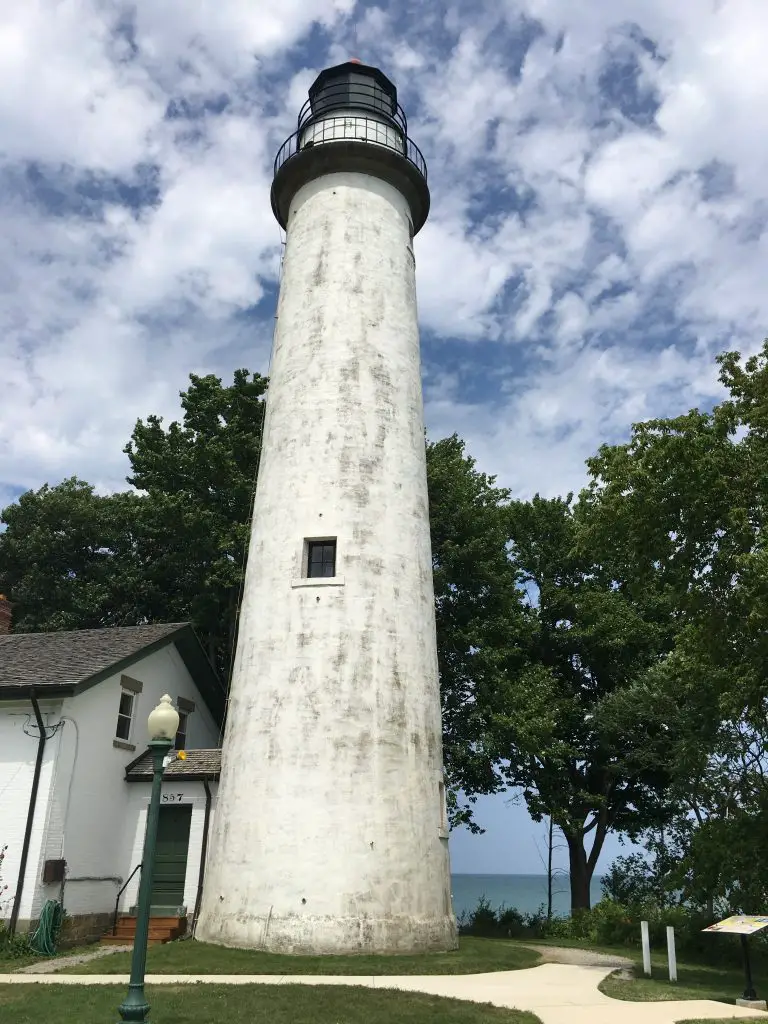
(646, 948)
(671, 956)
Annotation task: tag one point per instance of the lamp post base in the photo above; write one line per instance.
(135, 1006)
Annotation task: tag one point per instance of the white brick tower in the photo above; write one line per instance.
(330, 832)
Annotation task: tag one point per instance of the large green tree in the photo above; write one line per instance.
(171, 550)
(684, 502)
(198, 477)
(65, 556)
(482, 627)
(576, 761)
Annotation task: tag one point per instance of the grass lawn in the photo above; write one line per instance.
(10, 964)
(248, 1004)
(474, 956)
(695, 981)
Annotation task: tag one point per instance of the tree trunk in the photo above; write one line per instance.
(581, 875)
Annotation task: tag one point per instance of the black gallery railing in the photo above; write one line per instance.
(351, 127)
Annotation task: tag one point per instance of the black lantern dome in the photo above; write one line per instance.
(351, 122)
(353, 86)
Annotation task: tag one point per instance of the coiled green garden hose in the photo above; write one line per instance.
(48, 927)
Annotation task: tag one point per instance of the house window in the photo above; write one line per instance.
(321, 558)
(185, 707)
(181, 734)
(125, 714)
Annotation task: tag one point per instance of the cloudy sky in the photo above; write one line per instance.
(599, 177)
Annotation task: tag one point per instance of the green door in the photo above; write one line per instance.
(171, 859)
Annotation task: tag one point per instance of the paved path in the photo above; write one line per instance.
(557, 993)
(581, 957)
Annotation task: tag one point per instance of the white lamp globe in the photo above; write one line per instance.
(163, 722)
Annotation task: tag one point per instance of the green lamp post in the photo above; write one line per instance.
(163, 724)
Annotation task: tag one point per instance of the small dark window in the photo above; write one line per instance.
(181, 735)
(321, 558)
(124, 715)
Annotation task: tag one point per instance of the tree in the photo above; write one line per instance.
(686, 503)
(66, 558)
(481, 622)
(577, 762)
(173, 551)
(198, 478)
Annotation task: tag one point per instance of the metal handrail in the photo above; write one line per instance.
(325, 133)
(117, 901)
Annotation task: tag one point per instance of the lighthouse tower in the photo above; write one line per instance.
(330, 832)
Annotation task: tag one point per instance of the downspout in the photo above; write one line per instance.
(30, 817)
(203, 854)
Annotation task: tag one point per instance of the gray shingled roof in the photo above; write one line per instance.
(73, 656)
(199, 764)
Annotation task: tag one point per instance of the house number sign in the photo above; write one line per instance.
(172, 798)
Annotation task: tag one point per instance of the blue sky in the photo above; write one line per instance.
(597, 235)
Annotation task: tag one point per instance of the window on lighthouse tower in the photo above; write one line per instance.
(321, 558)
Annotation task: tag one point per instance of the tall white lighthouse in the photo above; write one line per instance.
(330, 833)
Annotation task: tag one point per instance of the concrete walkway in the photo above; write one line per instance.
(557, 993)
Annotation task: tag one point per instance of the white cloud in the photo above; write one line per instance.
(64, 95)
(106, 309)
(597, 229)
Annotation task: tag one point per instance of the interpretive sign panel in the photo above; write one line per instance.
(740, 924)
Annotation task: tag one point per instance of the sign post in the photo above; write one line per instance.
(671, 955)
(646, 941)
(743, 926)
(749, 991)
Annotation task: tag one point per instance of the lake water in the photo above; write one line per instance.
(524, 892)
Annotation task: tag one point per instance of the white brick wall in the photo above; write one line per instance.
(18, 751)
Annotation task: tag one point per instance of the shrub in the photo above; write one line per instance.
(536, 921)
(609, 923)
(4, 898)
(14, 947)
(631, 881)
(501, 922)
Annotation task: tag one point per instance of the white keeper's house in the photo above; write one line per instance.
(75, 772)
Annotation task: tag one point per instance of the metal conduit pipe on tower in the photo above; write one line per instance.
(330, 834)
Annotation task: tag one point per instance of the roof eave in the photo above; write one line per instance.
(192, 654)
(117, 666)
(44, 691)
(178, 777)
